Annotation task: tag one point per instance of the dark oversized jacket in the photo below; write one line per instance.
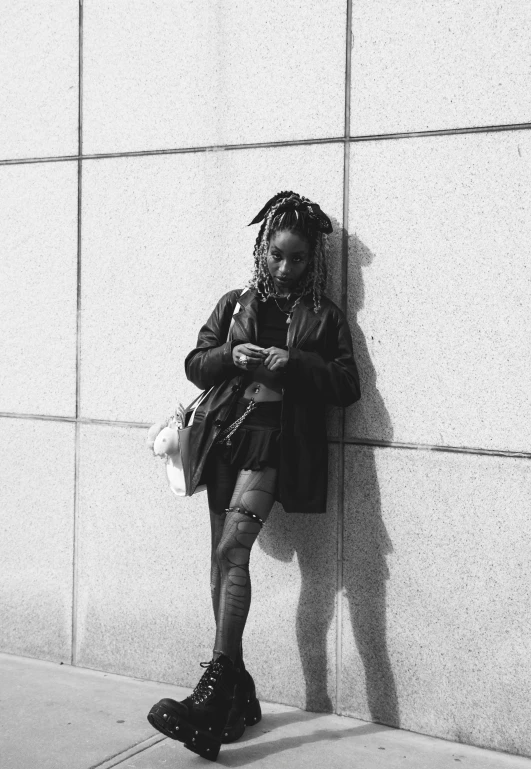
(320, 370)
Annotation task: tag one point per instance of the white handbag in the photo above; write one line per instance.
(172, 441)
(172, 444)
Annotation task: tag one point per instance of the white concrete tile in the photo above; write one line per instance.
(427, 66)
(144, 579)
(290, 637)
(436, 594)
(36, 546)
(194, 73)
(38, 280)
(38, 78)
(143, 564)
(440, 282)
(163, 239)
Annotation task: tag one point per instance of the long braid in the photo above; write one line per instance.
(298, 221)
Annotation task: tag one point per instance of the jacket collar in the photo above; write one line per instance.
(246, 297)
(302, 323)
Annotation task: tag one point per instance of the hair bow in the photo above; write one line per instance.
(313, 210)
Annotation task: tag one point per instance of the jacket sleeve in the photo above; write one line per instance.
(210, 362)
(334, 379)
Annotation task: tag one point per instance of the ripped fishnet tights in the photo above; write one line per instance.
(233, 535)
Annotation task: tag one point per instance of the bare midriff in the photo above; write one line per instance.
(264, 385)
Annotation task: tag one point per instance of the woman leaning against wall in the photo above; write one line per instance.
(274, 355)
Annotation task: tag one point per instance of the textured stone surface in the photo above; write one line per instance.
(426, 66)
(192, 73)
(436, 596)
(163, 239)
(294, 740)
(38, 78)
(143, 563)
(105, 714)
(144, 579)
(440, 281)
(38, 232)
(77, 718)
(290, 637)
(36, 542)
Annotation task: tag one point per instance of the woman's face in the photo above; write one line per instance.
(288, 257)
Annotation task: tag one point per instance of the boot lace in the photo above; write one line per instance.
(207, 682)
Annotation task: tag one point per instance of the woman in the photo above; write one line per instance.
(274, 354)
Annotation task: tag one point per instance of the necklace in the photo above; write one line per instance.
(289, 313)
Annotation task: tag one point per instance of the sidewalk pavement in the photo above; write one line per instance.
(60, 717)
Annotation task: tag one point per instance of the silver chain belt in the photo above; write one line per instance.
(226, 435)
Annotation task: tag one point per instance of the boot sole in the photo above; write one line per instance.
(253, 713)
(251, 716)
(205, 744)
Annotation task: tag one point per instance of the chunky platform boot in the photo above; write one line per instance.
(245, 710)
(198, 721)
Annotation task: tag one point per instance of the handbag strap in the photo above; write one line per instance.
(194, 405)
(197, 400)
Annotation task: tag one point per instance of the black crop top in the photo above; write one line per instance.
(272, 324)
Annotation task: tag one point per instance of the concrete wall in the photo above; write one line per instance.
(408, 603)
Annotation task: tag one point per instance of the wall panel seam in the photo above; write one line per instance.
(442, 132)
(344, 301)
(78, 338)
(369, 442)
(433, 447)
(73, 654)
(176, 150)
(265, 145)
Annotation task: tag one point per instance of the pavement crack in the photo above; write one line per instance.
(123, 755)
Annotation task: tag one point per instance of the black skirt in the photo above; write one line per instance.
(256, 442)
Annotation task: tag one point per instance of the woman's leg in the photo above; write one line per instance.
(250, 505)
(220, 486)
(224, 700)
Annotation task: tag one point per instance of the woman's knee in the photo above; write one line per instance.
(232, 555)
(235, 550)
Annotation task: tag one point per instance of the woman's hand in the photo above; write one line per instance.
(275, 358)
(253, 356)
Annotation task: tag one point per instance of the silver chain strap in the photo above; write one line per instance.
(228, 432)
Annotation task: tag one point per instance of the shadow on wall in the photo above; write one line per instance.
(366, 543)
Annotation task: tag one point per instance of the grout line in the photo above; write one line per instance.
(27, 161)
(80, 85)
(217, 148)
(348, 68)
(347, 441)
(134, 750)
(73, 420)
(266, 145)
(369, 442)
(179, 150)
(344, 302)
(79, 209)
(40, 417)
(442, 132)
(78, 340)
(75, 548)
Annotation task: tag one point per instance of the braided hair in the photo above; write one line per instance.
(297, 215)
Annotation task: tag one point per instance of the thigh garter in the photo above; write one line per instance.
(248, 513)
